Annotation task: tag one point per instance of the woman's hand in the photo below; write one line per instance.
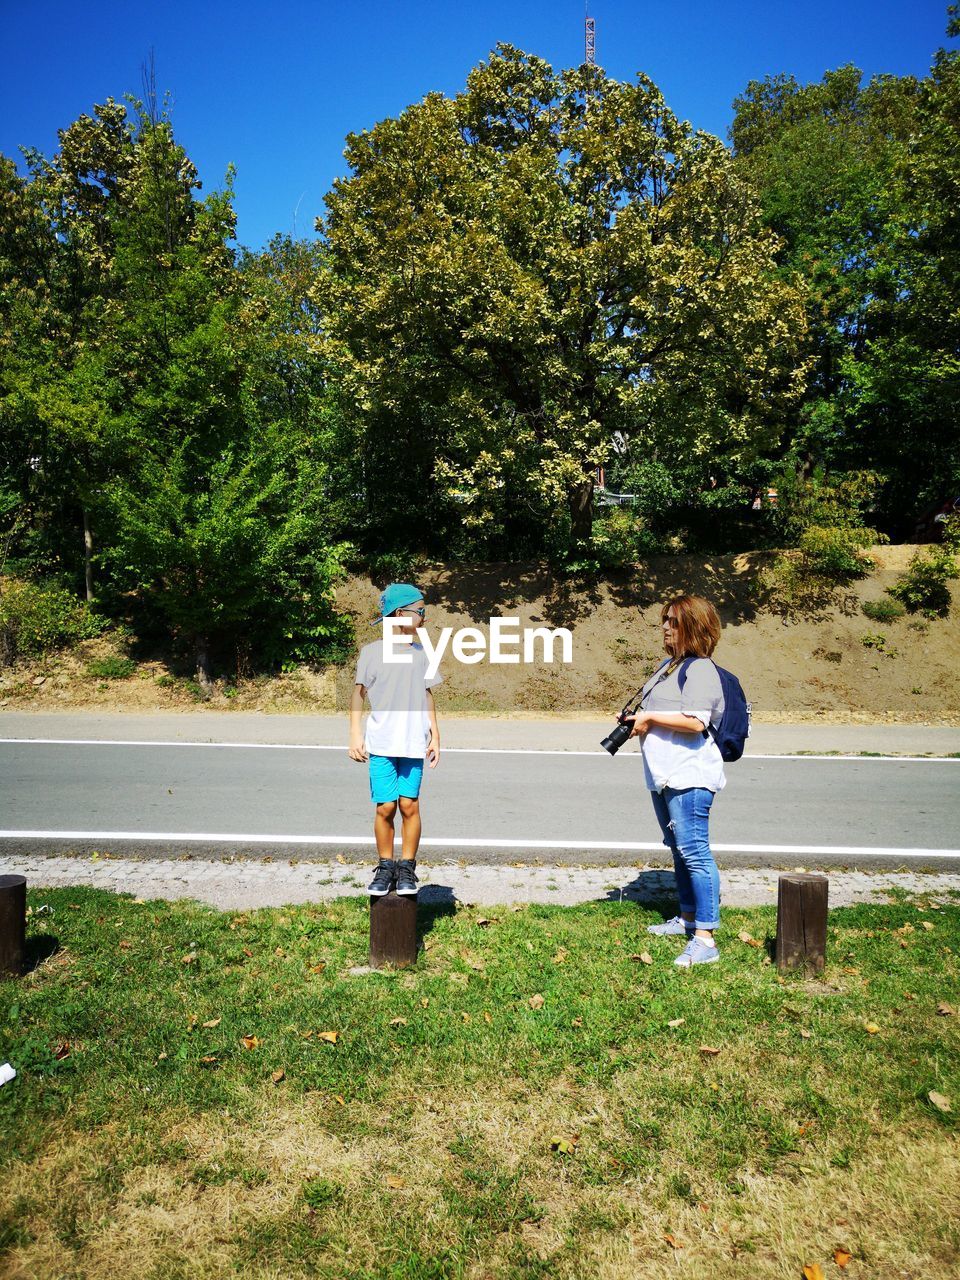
(641, 725)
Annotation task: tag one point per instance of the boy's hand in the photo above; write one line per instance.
(433, 751)
(358, 750)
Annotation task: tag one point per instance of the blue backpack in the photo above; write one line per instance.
(734, 727)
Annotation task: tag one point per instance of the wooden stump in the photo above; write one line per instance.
(802, 922)
(13, 925)
(393, 930)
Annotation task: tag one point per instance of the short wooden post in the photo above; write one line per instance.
(802, 922)
(393, 930)
(13, 925)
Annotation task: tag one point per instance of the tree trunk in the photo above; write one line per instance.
(580, 501)
(202, 653)
(87, 554)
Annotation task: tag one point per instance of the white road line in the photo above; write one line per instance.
(232, 837)
(598, 754)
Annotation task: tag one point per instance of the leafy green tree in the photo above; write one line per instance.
(518, 273)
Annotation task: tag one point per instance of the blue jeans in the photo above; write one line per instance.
(683, 817)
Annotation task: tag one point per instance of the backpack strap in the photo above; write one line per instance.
(682, 680)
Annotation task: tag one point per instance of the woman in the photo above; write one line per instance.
(683, 767)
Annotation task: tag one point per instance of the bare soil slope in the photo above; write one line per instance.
(811, 666)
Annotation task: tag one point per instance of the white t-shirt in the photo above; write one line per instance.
(672, 757)
(398, 723)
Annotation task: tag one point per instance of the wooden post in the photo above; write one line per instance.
(393, 930)
(802, 922)
(13, 925)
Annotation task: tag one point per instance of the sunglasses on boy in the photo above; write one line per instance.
(412, 613)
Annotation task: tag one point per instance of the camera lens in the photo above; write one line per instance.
(616, 738)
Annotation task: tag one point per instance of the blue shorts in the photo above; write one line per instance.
(394, 776)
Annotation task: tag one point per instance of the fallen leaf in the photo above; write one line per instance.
(643, 956)
(341, 859)
(565, 1146)
(124, 944)
(673, 1242)
(485, 921)
(709, 1051)
(424, 1002)
(714, 1086)
(161, 1056)
(926, 924)
(841, 1256)
(941, 1102)
(189, 959)
(871, 1027)
(209, 1059)
(62, 1050)
(536, 1001)
(393, 1181)
(213, 1022)
(744, 936)
(246, 952)
(805, 1034)
(676, 1022)
(329, 1036)
(318, 968)
(944, 1009)
(560, 956)
(278, 1075)
(251, 1042)
(465, 1016)
(338, 1099)
(577, 1022)
(813, 1271)
(487, 1018)
(398, 1022)
(278, 951)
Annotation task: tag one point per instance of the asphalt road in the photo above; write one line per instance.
(161, 800)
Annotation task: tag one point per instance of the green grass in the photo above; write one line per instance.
(455, 1130)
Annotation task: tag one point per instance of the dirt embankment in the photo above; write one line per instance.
(813, 665)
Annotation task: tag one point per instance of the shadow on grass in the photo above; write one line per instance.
(38, 948)
(434, 902)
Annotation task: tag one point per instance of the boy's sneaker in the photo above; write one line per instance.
(382, 881)
(697, 952)
(407, 876)
(677, 925)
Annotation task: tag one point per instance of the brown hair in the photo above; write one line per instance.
(698, 629)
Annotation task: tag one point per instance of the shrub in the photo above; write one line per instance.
(835, 551)
(35, 619)
(923, 588)
(883, 610)
(619, 538)
(111, 668)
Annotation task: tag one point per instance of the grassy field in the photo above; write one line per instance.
(205, 1094)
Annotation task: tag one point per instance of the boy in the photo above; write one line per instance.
(401, 732)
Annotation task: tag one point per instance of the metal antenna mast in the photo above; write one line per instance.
(590, 39)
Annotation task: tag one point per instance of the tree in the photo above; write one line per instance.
(515, 274)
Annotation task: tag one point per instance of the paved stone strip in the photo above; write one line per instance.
(241, 885)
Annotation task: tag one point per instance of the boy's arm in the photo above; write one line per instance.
(433, 746)
(357, 750)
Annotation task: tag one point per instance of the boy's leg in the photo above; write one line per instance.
(410, 775)
(411, 826)
(383, 828)
(384, 791)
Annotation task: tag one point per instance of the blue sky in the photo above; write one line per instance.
(276, 88)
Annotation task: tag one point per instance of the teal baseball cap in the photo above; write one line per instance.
(396, 596)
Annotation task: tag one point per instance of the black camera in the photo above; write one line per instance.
(618, 736)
